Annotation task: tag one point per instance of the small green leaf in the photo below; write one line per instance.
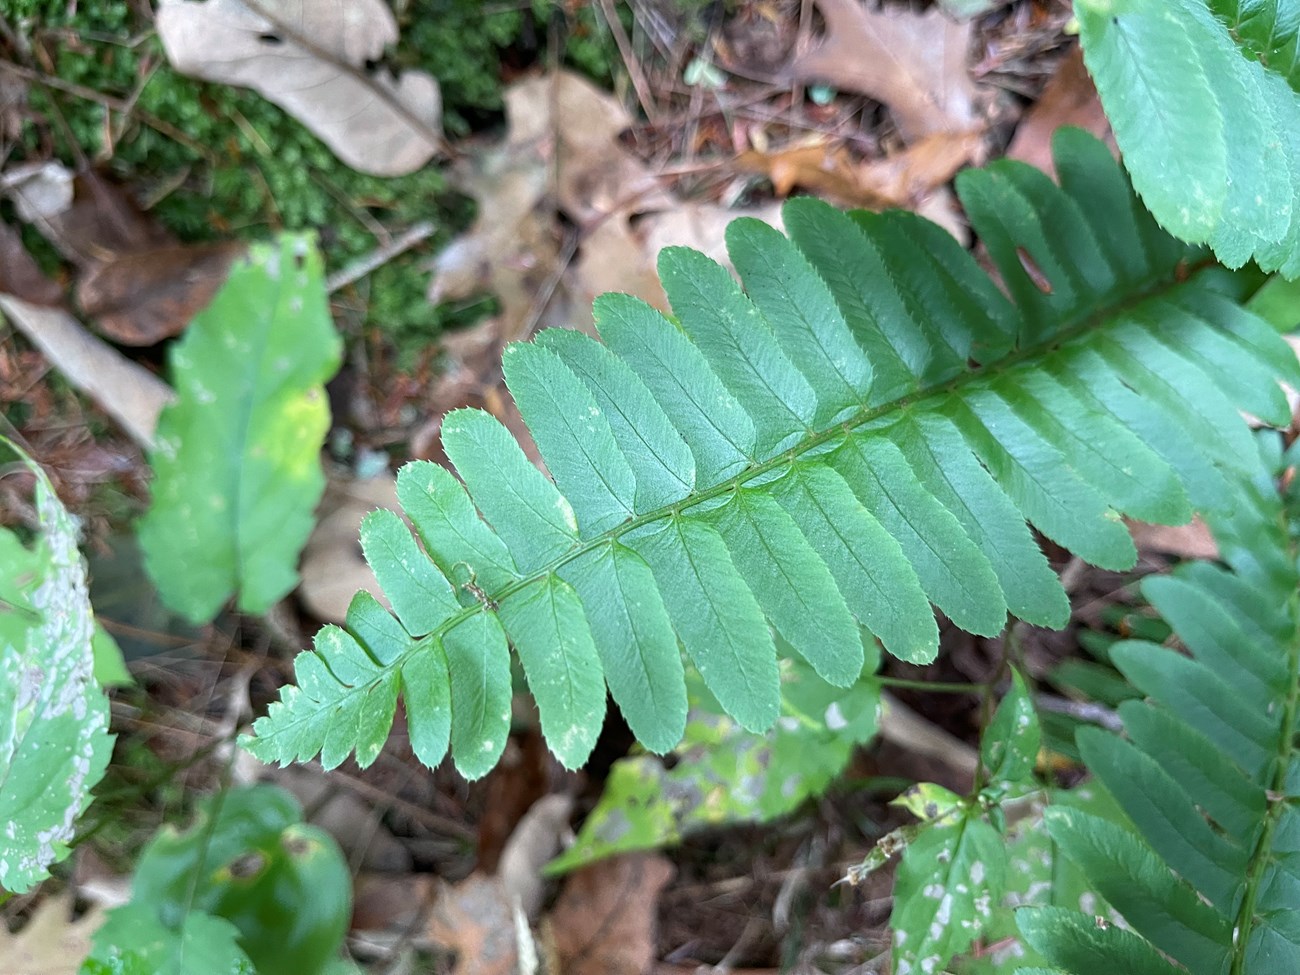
(478, 663)
(237, 470)
(716, 617)
(546, 624)
(526, 510)
(421, 596)
(1009, 746)
(574, 436)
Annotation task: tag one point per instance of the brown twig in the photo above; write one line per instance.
(630, 61)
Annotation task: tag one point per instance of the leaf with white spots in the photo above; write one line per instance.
(237, 471)
(54, 740)
(1010, 744)
(948, 885)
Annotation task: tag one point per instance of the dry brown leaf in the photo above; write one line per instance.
(143, 297)
(1190, 541)
(127, 392)
(1070, 98)
(51, 943)
(333, 568)
(899, 180)
(19, 274)
(309, 57)
(605, 919)
(389, 903)
(138, 285)
(535, 842)
(916, 64)
(476, 919)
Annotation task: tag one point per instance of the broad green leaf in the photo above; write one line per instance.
(54, 740)
(249, 866)
(133, 940)
(546, 624)
(950, 878)
(237, 470)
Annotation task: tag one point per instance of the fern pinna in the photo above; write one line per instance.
(861, 432)
(1206, 870)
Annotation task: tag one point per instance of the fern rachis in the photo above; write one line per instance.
(864, 430)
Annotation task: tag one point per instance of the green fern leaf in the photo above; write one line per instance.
(1202, 869)
(54, 740)
(237, 471)
(864, 429)
(1220, 80)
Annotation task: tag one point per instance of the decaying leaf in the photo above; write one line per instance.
(605, 919)
(20, 275)
(333, 568)
(475, 918)
(136, 282)
(913, 63)
(899, 180)
(51, 942)
(1070, 98)
(128, 392)
(309, 57)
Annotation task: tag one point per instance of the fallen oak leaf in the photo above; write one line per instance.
(913, 63)
(604, 921)
(309, 57)
(1070, 98)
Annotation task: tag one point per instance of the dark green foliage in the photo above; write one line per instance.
(1203, 869)
(864, 428)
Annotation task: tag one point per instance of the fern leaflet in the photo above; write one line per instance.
(861, 431)
(1205, 871)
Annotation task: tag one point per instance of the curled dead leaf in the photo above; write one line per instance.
(309, 57)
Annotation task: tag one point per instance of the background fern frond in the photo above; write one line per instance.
(863, 429)
(1221, 77)
(1204, 869)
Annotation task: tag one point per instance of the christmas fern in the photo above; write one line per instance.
(1205, 871)
(862, 431)
(1202, 96)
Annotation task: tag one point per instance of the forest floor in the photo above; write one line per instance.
(575, 141)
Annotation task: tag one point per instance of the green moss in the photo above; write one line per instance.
(247, 169)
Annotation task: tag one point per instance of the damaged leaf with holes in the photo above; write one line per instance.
(237, 468)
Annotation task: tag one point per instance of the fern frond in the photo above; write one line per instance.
(1204, 872)
(1202, 97)
(860, 431)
